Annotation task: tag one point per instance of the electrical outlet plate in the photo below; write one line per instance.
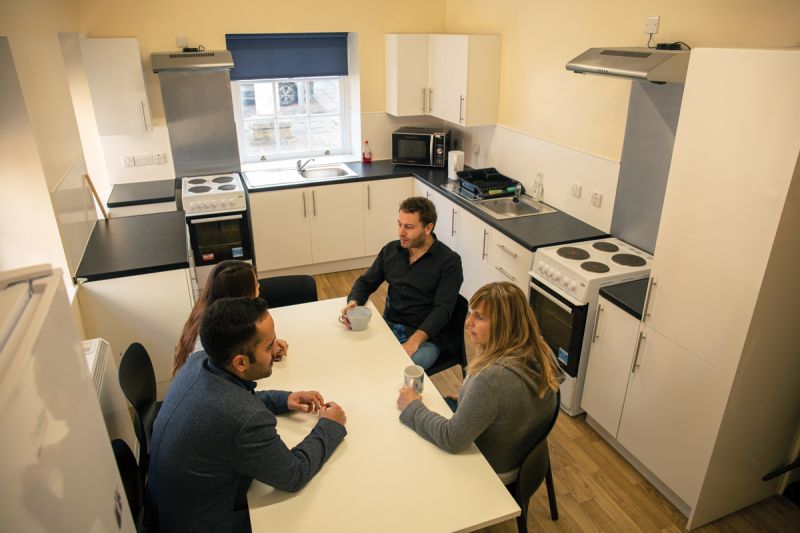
(476, 149)
(143, 159)
(651, 25)
(160, 158)
(597, 199)
(128, 161)
(181, 41)
(576, 190)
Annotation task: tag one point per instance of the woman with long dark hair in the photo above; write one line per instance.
(228, 279)
(509, 392)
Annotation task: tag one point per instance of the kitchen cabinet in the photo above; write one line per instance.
(337, 222)
(461, 74)
(509, 261)
(148, 308)
(382, 201)
(613, 343)
(473, 246)
(446, 215)
(116, 81)
(281, 228)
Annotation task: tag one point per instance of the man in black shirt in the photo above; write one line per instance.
(424, 276)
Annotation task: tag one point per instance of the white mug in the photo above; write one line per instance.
(413, 377)
(359, 317)
(455, 163)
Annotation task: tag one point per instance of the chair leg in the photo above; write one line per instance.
(551, 493)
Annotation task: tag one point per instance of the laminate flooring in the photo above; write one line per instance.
(596, 489)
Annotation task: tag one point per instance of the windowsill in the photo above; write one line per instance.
(280, 164)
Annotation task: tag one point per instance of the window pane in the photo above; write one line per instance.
(248, 99)
(291, 98)
(293, 135)
(265, 99)
(260, 136)
(324, 96)
(326, 133)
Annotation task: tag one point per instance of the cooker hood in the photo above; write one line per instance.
(641, 64)
(206, 59)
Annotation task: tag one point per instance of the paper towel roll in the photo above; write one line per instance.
(455, 163)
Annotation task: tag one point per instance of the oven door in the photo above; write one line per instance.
(215, 238)
(563, 324)
(412, 149)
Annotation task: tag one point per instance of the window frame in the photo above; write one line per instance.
(345, 130)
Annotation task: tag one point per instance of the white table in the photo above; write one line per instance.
(383, 477)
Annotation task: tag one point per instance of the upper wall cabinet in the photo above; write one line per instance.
(116, 81)
(452, 77)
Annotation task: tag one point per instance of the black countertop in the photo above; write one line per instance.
(531, 232)
(129, 246)
(145, 192)
(628, 296)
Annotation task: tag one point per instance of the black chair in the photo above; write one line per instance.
(452, 340)
(138, 383)
(535, 469)
(279, 291)
(132, 481)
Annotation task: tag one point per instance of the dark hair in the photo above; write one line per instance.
(229, 279)
(228, 328)
(421, 205)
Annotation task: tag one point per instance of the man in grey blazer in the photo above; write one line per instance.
(214, 433)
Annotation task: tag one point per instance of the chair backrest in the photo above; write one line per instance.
(451, 339)
(280, 291)
(131, 479)
(137, 378)
(536, 463)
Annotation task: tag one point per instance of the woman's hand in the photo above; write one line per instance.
(282, 351)
(407, 395)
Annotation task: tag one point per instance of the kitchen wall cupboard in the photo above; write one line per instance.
(149, 308)
(312, 225)
(710, 405)
(452, 77)
(116, 81)
(381, 204)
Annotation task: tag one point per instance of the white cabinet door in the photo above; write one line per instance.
(437, 74)
(609, 367)
(447, 212)
(474, 242)
(382, 202)
(453, 67)
(116, 81)
(672, 413)
(281, 228)
(406, 74)
(149, 309)
(337, 222)
(509, 261)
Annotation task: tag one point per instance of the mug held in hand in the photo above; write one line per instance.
(413, 377)
(359, 317)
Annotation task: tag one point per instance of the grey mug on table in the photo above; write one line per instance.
(413, 377)
(359, 317)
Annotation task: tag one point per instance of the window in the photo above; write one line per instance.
(291, 117)
(290, 95)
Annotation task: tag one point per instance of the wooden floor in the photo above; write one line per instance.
(596, 489)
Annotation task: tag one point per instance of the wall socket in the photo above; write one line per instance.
(181, 42)
(651, 25)
(597, 199)
(140, 160)
(576, 190)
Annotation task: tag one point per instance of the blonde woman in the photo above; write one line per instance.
(509, 393)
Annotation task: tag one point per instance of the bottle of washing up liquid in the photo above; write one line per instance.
(366, 153)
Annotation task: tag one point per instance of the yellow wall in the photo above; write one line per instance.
(156, 23)
(539, 97)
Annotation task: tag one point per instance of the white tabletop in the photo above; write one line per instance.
(383, 477)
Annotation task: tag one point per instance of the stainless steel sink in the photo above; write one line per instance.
(503, 208)
(327, 171)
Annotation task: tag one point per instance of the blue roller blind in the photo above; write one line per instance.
(287, 55)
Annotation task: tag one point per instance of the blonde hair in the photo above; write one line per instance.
(514, 335)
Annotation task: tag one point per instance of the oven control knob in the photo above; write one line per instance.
(572, 285)
(557, 276)
(213, 203)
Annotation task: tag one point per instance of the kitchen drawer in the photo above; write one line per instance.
(509, 261)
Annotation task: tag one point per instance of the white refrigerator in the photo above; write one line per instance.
(56, 464)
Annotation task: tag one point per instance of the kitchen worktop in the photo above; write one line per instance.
(628, 296)
(531, 232)
(146, 192)
(129, 246)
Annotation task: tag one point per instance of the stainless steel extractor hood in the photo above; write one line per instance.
(207, 59)
(643, 64)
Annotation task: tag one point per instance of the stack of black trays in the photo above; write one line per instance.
(486, 183)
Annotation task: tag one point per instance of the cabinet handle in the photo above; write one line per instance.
(305, 213)
(430, 100)
(483, 250)
(646, 313)
(506, 274)
(313, 203)
(506, 250)
(595, 336)
(636, 353)
(369, 206)
(453, 222)
(460, 110)
(423, 100)
(144, 115)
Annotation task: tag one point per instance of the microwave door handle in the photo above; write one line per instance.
(430, 150)
(549, 297)
(215, 219)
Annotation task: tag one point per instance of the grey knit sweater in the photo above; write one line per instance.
(498, 409)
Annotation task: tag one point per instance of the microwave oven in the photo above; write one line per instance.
(425, 147)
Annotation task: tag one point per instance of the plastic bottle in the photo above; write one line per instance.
(366, 153)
